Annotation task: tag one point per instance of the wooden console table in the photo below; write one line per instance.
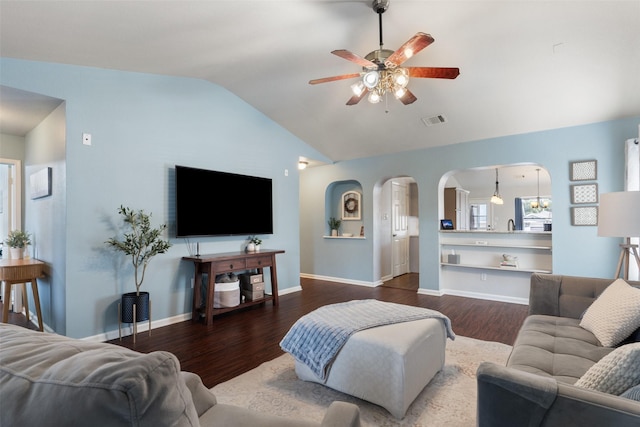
(15, 271)
(214, 264)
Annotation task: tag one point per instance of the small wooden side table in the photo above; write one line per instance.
(16, 271)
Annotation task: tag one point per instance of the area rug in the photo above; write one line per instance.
(448, 400)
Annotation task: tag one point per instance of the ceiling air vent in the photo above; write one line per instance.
(435, 120)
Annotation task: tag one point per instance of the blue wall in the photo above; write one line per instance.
(142, 126)
(576, 250)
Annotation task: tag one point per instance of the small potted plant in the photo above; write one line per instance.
(254, 244)
(334, 225)
(18, 240)
(141, 243)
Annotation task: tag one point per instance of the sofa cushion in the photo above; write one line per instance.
(67, 382)
(615, 314)
(616, 372)
(633, 393)
(555, 347)
(634, 337)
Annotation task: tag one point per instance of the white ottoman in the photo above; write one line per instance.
(387, 365)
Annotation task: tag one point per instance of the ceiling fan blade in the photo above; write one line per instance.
(350, 56)
(434, 72)
(334, 78)
(414, 45)
(408, 98)
(356, 98)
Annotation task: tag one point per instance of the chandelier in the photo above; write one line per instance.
(535, 204)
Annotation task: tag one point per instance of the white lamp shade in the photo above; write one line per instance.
(497, 200)
(370, 79)
(619, 214)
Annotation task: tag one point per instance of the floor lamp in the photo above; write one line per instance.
(619, 216)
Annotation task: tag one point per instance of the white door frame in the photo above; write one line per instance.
(399, 228)
(14, 209)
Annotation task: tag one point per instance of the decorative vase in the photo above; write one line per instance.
(142, 307)
(251, 247)
(334, 233)
(16, 253)
(257, 248)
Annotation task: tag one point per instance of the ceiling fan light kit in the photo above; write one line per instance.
(381, 72)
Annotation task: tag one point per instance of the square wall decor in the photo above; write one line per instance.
(40, 183)
(584, 193)
(587, 215)
(584, 170)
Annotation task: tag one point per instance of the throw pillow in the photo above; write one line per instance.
(614, 315)
(633, 393)
(616, 372)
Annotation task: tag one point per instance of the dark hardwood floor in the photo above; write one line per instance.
(19, 319)
(239, 341)
(409, 282)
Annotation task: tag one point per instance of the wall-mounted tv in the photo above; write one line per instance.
(213, 203)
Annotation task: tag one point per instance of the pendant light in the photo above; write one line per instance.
(536, 203)
(496, 199)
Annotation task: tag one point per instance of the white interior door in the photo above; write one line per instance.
(400, 228)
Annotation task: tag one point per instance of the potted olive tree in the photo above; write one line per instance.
(141, 242)
(17, 240)
(334, 225)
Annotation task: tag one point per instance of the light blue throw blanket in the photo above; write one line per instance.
(316, 338)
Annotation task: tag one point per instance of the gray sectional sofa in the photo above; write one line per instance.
(51, 380)
(552, 351)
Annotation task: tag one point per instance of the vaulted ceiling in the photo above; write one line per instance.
(524, 65)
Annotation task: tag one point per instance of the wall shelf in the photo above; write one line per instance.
(488, 267)
(504, 246)
(480, 255)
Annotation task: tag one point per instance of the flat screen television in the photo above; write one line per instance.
(213, 203)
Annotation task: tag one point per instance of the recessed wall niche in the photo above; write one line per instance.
(344, 202)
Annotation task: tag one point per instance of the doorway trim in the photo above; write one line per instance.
(14, 193)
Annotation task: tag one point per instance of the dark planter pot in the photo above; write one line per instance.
(142, 307)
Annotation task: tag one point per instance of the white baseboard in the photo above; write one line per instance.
(386, 278)
(289, 290)
(127, 329)
(432, 292)
(341, 280)
(490, 297)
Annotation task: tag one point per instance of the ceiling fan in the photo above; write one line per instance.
(381, 71)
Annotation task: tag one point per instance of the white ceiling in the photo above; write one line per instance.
(21, 111)
(525, 65)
